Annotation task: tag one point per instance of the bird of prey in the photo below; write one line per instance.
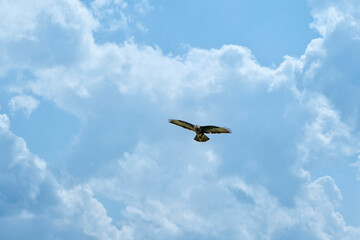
(200, 130)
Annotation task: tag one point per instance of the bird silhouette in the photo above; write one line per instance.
(200, 130)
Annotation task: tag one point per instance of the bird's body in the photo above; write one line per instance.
(200, 130)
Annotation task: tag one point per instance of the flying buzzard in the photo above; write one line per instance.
(200, 130)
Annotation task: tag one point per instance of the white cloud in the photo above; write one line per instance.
(166, 190)
(326, 20)
(4, 122)
(329, 14)
(317, 211)
(237, 207)
(17, 24)
(143, 6)
(19, 163)
(21, 18)
(30, 191)
(24, 27)
(111, 14)
(143, 182)
(115, 15)
(24, 103)
(327, 126)
(101, 3)
(144, 70)
(82, 208)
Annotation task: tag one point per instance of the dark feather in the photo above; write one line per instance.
(183, 124)
(215, 129)
(201, 138)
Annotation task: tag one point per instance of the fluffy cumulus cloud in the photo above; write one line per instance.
(31, 196)
(335, 75)
(127, 174)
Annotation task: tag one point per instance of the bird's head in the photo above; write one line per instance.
(197, 126)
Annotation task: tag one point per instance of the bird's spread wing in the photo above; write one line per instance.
(182, 124)
(215, 129)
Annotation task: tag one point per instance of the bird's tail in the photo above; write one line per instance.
(201, 138)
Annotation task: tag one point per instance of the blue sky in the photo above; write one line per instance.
(87, 87)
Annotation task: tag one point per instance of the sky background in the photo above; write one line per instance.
(87, 88)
